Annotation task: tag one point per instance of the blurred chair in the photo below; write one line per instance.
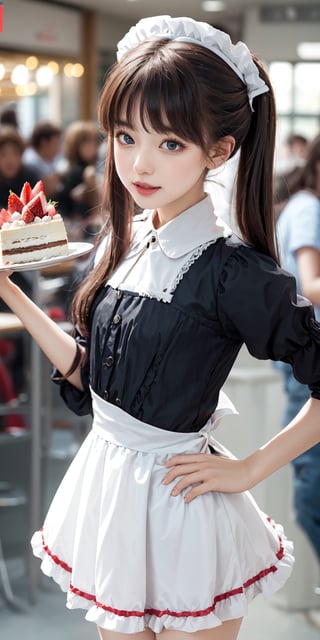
(14, 507)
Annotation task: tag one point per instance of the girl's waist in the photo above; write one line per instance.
(119, 427)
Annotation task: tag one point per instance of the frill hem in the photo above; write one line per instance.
(226, 606)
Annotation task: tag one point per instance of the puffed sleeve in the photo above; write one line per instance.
(258, 305)
(78, 401)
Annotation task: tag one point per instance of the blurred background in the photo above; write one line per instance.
(53, 59)
(52, 62)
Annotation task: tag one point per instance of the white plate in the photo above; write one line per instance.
(75, 250)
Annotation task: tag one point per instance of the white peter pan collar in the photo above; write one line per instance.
(191, 229)
(158, 259)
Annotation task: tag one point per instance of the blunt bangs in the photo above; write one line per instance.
(153, 81)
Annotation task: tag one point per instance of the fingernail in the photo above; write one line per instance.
(174, 492)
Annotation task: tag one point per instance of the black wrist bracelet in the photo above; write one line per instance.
(75, 363)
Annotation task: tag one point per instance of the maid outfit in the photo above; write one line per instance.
(165, 331)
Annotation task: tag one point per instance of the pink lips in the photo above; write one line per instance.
(145, 189)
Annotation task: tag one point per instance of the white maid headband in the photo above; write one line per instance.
(237, 56)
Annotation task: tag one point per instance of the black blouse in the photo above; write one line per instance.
(165, 363)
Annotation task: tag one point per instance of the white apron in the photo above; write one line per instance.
(134, 556)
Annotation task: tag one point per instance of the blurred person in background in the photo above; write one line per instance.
(291, 158)
(298, 230)
(292, 154)
(13, 175)
(8, 116)
(296, 149)
(44, 153)
(79, 196)
(13, 172)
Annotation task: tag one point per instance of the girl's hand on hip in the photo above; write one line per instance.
(205, 472)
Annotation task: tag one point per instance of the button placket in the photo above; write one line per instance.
(109, 361)
(111, 346)
(153, 240)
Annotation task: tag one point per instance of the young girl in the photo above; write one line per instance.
(152, 530)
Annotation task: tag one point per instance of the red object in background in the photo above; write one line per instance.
(7, 391)
(1, 10)
(56, 313)
(7, 395)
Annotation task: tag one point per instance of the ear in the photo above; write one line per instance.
(220, 152)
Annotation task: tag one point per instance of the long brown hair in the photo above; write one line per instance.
(203, 100)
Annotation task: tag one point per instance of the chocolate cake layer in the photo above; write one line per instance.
(31, 248)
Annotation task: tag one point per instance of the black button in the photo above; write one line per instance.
(109, 361)
(118, 402)
(119, 294)
(152, 240)
(106, 395)
(117, 319)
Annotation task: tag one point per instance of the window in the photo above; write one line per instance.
(297, 92)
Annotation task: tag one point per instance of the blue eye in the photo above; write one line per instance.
(125, 138)
(172, 145)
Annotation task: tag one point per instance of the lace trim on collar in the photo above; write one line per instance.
(191, 260)
(167, 293)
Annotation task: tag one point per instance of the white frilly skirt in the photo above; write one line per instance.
(133, 556)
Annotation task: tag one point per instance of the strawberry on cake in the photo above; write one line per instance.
(31, 228)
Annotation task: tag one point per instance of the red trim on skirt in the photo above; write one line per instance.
(165, 612)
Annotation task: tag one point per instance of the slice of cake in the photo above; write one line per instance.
(31, 229)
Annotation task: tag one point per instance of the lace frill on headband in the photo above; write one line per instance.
(237, 56)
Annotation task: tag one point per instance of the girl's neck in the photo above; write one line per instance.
(161, 217)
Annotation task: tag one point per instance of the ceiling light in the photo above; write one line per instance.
(309, 50)
(213, 5)
(77, 70)
(44, 76)
(20, 74)
(32, 62)
(53, 65)
(67, 69)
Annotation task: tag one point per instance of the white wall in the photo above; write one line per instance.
(57, 29)
(34, 26)
(271, 41)
(109, 32)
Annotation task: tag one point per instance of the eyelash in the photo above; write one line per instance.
(122, 133)
(177, 142)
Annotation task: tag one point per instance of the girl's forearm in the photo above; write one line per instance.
(58, 346)
(301, 434)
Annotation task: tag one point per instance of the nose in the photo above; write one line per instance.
(143, 163)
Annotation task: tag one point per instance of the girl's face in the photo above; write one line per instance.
(10, 160)
(160, 171)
